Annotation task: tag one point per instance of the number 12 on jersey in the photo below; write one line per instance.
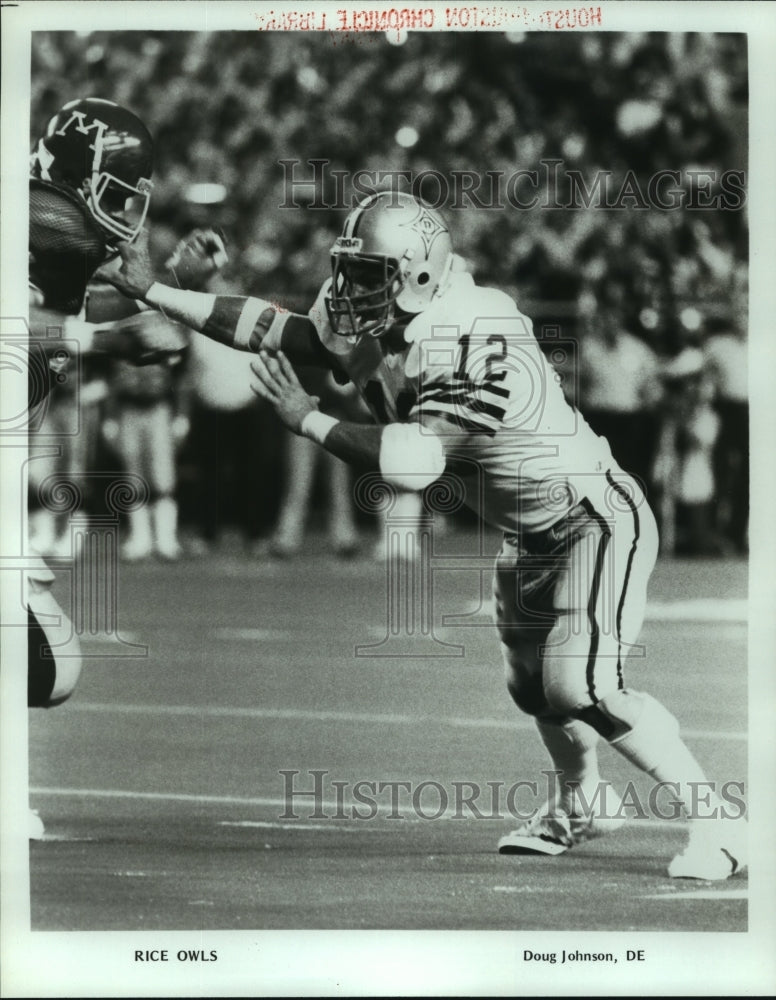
(482, 362)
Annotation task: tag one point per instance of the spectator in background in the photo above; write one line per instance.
(147, 415)
(398, 535)
(228, 465)
(619, 385)
(233, 447)
(684, 471)
(303, 459)
(70, 430)
(610, 105)
(145, 422)
(726, 362)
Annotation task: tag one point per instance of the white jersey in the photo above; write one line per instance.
(472, 358)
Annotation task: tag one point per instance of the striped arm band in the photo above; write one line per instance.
(234, 320)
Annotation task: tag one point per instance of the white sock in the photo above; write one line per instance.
(166, 524)
(654, 745)
(140, 536)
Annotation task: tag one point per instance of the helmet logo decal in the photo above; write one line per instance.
(45, 160)
(427, 226)
(80, 119)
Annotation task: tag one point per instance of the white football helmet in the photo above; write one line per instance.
(394, 252)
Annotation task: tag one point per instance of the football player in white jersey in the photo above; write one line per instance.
(454, 377)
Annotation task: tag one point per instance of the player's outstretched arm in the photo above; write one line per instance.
(243, 322)
(408, 455)
(140, 338)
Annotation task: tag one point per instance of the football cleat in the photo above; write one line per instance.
(553, 832)
(542, 834)
(711, 854)
(588, 826)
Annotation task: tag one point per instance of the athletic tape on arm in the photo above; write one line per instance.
(191, 308)
(316, 426)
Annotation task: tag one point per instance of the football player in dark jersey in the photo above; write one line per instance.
(90, 184)
(89, 191)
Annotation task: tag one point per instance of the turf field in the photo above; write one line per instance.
(160, 781)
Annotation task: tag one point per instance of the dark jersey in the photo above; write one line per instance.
(66, 246)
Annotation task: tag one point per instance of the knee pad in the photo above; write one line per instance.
(623, 713)
(647, 738)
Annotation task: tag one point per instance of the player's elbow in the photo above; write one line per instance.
(411, 456)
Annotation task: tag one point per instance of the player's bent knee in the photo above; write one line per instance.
(567, 686)
(566, 695)
(527, 697)
(523, 683)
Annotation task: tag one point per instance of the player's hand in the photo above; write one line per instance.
(135, 274)
(146, 338)
(197, 258)
(276, 382)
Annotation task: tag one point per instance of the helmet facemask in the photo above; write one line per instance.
(364, 289)
(118, 207)
(105, 153)
(392, 260)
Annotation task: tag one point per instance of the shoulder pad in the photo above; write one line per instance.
(66, 245)
(55, 208)
(434, 334)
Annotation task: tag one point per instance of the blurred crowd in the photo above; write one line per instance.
(654, 298)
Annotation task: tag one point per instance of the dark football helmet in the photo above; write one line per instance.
(104, 152)
(394, 252)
